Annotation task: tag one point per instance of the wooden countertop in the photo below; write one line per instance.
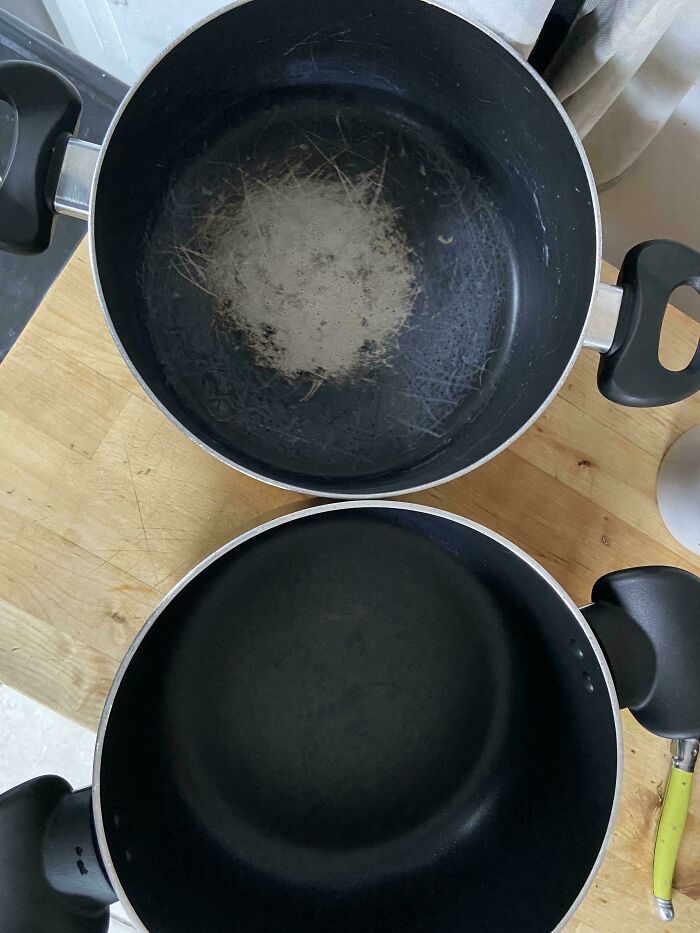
(104, 505)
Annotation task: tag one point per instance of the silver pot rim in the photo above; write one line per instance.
(98, 815)
(339, 494)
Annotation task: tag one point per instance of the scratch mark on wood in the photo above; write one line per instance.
(138, 506)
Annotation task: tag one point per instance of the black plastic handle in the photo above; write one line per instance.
(647, 620)
(631, 373)
(48, 108)
(51, 876)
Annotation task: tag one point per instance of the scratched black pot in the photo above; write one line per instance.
(363, 716)
(236, 281)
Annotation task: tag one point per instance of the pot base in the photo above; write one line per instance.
(360, 718)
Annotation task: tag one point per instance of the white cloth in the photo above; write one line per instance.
(621, 72)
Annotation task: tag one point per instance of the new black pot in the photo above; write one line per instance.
(349, 248)
(362, 716)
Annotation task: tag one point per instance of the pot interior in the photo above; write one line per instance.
(351, 247)
(367, 718)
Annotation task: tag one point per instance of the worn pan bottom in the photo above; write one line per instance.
(329, 282)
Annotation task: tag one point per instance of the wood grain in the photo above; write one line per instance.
(53, 667)
(104, 505)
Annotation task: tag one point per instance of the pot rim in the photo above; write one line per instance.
(98, 816)
(335, 494)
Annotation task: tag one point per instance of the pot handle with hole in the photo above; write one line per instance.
(51, 875)
(47, 108)
(630, 371)
(647, 621)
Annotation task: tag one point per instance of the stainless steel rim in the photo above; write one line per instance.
(317, 510)
(335, 494)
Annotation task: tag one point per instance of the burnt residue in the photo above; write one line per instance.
(409, 258)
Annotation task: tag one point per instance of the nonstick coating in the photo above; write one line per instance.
(350, 247)
(368, 719)
(353, 155)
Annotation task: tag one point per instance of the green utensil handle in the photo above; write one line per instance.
(674, 813)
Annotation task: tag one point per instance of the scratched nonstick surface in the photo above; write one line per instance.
(411, 234)
(365, 251)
